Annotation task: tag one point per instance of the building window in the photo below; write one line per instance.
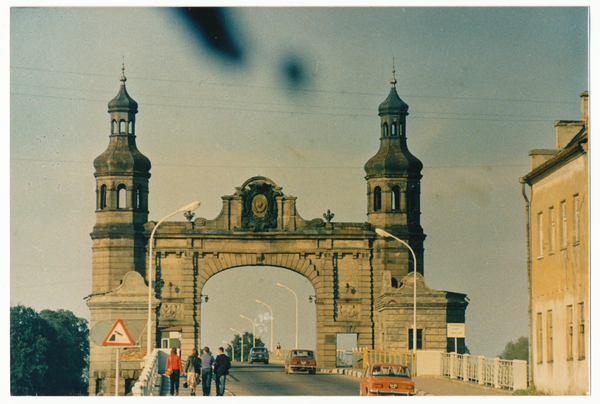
(541, 234)
(394, 125)
(122, 127)
(396, 197)
(549, 344)
(121, 197)
(581, 332)
(377, 199)
(114, 127)
(419, 338)
(130, 127)
(569, 332)
(538, 338)
(552, 231)
(563, 225)
(576, 222)
(103, 197)
(385, 129)
(99, 387)
(138, 197)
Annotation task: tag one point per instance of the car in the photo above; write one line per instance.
(387, 379)
(301, 360)
(258, 354)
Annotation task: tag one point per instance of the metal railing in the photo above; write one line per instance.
(496, 372)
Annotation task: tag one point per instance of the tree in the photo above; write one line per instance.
(48, 352)
(516, 350)
(237, 345)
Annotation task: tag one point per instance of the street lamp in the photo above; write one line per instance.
(384, 233)
(242, 342)
(253, 329)
(186, 208)
(296, 296)
(258, 301)
(232, 349)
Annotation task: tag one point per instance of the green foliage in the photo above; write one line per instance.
(48, 352)
(237, 345)
(516, 350)
(529, 391)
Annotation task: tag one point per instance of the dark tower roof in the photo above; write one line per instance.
(123, 102)
(393, 105)
(122, 155)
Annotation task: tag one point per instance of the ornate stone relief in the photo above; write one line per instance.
(171, 311)
(259, 206)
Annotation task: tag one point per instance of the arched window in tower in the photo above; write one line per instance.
(131, 127)
(121, 197)
(122, 127)
(114, 127)
(395, 197)
(377, 199)
(385, 129)
(102, 204)
(394, 127)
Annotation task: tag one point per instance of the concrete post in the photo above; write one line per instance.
(519, 374)
(497, 373)
(480, 370)
(465, 374)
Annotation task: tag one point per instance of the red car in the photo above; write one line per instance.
(301, 360)
(387, 379)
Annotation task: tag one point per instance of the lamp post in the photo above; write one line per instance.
(253, 329)
(296, 296)
(258, 301)
(241, 341)
(384, 233)
(232, 349)
(186, 208)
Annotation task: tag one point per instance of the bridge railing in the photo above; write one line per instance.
(150, 374)
(498, 373)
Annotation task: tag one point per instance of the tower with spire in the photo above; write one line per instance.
(393, 189)
(122, 175)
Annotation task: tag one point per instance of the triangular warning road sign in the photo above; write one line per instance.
(118, 336)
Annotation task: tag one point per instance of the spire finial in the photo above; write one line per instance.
(123, 79)
(393, 74)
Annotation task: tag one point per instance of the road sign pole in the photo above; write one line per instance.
(117, 373)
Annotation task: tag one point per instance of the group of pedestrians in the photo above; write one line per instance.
(199, 369)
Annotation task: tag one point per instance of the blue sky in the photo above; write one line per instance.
(484, 86)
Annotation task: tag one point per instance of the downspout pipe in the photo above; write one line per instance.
(529, 308)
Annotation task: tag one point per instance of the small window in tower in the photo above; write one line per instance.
(394, 129)
(131, 127)
(114, 127)
(122, 127)
(385, 129)
(138, 197)
(396, 197)
(103, 197)
(121, 197)
(377, 199)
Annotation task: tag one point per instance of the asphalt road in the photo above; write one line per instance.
(270, 380)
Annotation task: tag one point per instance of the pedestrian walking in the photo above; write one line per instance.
(278, 350)
(174, 370)
(222, 365)
(206, 361)
(192, 370)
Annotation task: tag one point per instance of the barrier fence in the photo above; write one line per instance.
(361, 357)
(498, 373)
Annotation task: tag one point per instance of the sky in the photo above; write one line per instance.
(296, 101)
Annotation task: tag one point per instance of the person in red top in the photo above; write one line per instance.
(174, 363)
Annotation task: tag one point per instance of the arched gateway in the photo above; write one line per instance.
(360, 279)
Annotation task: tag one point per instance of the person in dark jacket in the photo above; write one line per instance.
(222, 365)
(207, 361)
(192, 369)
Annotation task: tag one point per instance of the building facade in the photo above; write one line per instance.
(559, 260)
(347, 264)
